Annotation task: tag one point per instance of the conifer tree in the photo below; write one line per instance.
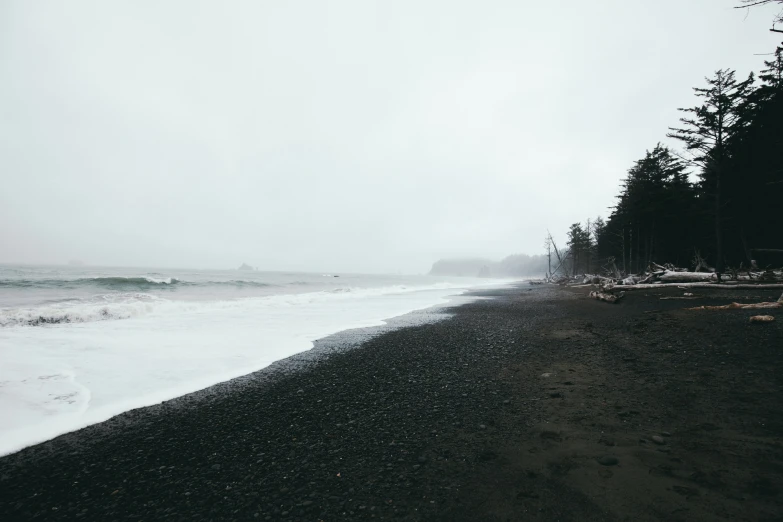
(755, 188)
(706, 134)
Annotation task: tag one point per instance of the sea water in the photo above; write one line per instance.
(79, 345)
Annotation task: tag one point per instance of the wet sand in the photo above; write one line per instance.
(537, 404)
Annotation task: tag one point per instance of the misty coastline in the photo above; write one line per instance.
(513, 266)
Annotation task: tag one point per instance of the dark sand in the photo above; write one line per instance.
(503, 412)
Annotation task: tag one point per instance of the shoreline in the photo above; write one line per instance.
(501, 411)
(12, 440)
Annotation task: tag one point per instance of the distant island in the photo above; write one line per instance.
(245, 266)
(518, 265)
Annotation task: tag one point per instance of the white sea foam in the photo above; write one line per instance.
(101, 308)
(128, 305)
(120, 351)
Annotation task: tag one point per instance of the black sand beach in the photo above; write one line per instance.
(538, 404)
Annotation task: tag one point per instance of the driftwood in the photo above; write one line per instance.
(630, 280)
(673, 276)
(611, 268)
(743, 306)
(658, 276)
(762, 319)
(700, 264)
(607, 297)
(722, 286)
(686, 277)
(740, 306)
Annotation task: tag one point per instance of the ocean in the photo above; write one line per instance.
(79, 345)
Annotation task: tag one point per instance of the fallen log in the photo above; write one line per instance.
(762, 319)
(741, 306)
(722, 286)
(655, 267)
(686, 277)
(651, 278)
(609, 298)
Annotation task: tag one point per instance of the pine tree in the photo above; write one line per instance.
(579, 247)
(706, 135)
(755, 186)
(651, 218)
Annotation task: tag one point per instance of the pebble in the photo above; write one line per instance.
(215, 466)
(608, 461)
(658, 439)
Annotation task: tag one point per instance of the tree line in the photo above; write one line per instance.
(716, 203)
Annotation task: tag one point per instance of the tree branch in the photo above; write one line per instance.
(759, 2)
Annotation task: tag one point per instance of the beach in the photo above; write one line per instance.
(529, 403)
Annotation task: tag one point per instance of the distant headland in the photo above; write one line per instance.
(518, 265)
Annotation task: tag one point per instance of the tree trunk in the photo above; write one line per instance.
(748, 252)
(625, 269)
(651, 252)
(587, 249)
(638, 249)
(718, 228)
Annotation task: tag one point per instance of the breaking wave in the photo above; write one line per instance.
(125, 283)
(128, 305)
(110, 282)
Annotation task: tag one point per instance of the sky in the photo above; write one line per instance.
(346, 135)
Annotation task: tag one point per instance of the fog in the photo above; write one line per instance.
(338, 136)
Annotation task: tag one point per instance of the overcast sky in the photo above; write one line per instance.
(344, 135)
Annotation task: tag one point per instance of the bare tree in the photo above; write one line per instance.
(754, 3)
(548, 246)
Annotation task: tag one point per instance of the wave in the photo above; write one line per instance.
(105, 282)
(125, 283)
(133, 305)
(69, 312)
(134, 281)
